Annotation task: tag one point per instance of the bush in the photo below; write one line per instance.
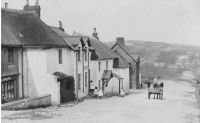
(67, 87)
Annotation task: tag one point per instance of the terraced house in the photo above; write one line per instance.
(34, 56)
(80, 60)
(108, 72)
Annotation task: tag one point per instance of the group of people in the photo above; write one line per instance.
(95, 91)
(158, 84)
(99, 93)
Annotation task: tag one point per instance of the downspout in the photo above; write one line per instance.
(119, 87)
(22, 67)
(77, 75)
(88, 72)
(137, 73)
(83, 67)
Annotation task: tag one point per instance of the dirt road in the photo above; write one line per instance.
(178, 106)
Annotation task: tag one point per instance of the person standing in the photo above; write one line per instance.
(122, 92)
(96, 92)
(92, 87)
(100, 93)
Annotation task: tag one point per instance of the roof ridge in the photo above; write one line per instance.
(17, 11)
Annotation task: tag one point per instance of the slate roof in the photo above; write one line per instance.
(127, 55)
(101, 49)
(70, 39)
(122, 62)
(26, 29)
(59, 32)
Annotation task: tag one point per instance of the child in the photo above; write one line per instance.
(100, 93)
(122, 92)
(96, 92)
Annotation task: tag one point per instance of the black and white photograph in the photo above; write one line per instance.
(100, 61)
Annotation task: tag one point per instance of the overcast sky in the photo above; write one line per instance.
(170, 21)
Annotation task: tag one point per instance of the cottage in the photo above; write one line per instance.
(133, 60)
(31, 55)
(79, 61)
(106, 71)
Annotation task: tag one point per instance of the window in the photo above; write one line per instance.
(79, 81)
(10, 55)
(8, 91)
(106, 65)
(99, 66)
(86, 56)
(86, 81)
(79, 56)
(99, 84)
(60, 56)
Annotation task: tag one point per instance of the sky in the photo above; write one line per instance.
(169, 21)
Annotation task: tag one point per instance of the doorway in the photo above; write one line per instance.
(67, 89)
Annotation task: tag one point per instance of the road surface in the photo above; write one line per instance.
(178, 106)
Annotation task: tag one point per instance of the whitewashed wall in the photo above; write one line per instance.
(113, 85)
(96, 75)
(39, 66)
(83, 67)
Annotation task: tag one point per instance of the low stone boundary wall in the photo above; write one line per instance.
(197, 93)
(28, 103)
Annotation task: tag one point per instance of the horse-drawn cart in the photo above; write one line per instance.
(156, 91)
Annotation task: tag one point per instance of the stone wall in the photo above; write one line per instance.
(28, 103)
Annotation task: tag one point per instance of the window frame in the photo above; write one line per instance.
(60, 58)
(11, 55)
(86, 56)
(99, 66)
(106, 64)
(79, 56)
(79, 81)
(86, 79)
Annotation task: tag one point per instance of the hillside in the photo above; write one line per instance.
(163, 59)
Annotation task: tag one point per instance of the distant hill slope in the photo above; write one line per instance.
(158, 58)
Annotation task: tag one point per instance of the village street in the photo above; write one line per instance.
(178, 106)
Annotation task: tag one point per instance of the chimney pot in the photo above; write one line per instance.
(120, 40)
(95, 29)
(61, 26)
(95, 34)
(6, 5)
(27, 2)
(37, 2)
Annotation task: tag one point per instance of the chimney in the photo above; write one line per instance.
(36, 2)
(61, 26)
(120, 40)
(27, 2)
(35, 9)
(6, 5)
(95, 34)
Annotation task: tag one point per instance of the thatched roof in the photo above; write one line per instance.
(26, 29)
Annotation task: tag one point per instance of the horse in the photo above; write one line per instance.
(157, 90)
